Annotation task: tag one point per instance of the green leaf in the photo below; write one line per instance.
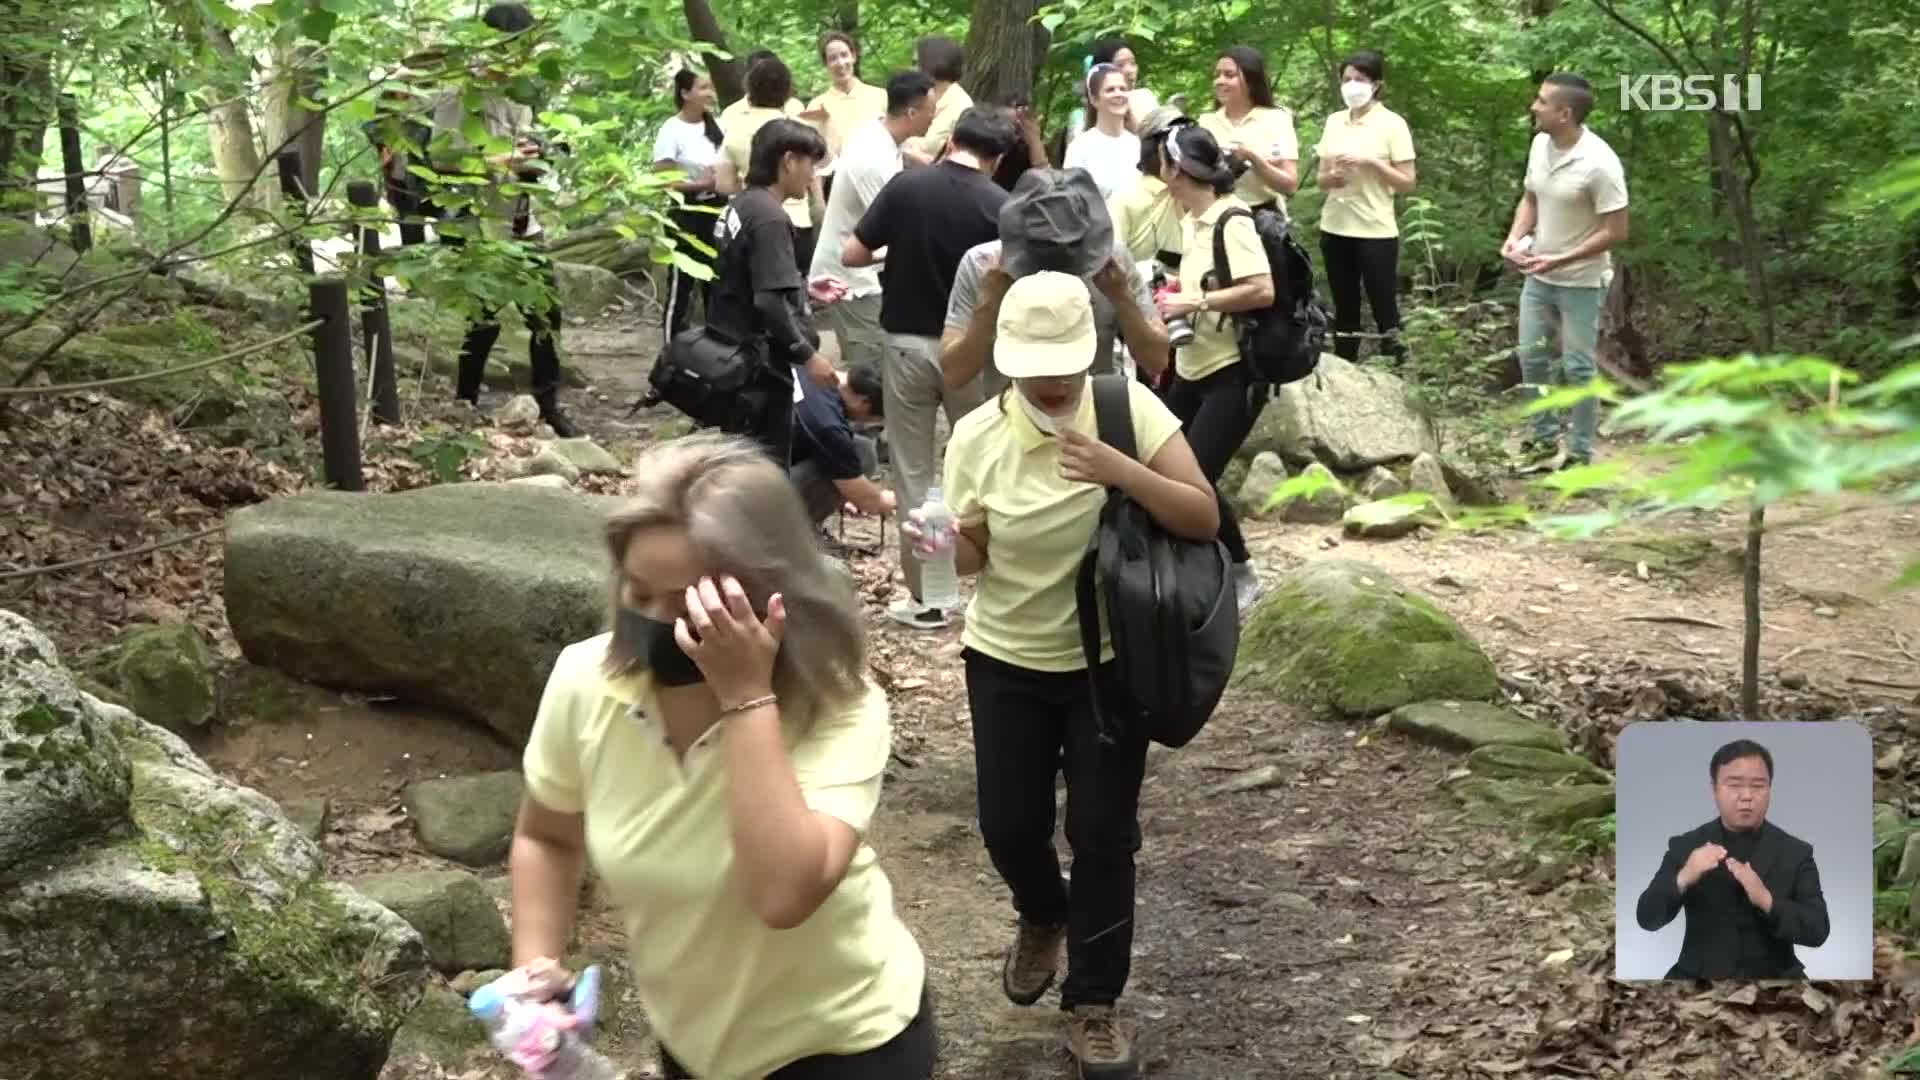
(692, 267)
(1052, 20)
(318, 24)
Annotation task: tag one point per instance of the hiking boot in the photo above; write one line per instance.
(1100, 1044)
(910, 612)
(1032, 960)
(1535, 451)
(562, 425)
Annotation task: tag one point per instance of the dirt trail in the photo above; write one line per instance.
(1344, 921)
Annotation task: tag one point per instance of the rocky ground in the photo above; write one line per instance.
(1314, 900)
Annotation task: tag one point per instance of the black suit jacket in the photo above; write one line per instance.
(1727, 936)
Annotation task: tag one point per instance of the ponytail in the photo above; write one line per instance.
(714, 134)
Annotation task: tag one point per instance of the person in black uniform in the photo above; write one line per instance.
(1750, 889)
(758, 293)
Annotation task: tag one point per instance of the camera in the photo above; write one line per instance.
(1179, 329)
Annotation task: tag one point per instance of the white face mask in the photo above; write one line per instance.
(1356, 92)
(1048, 424)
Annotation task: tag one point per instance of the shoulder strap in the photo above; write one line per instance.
(1113, 413)
(1220, 242)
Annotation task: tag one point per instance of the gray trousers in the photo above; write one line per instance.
(818, 490)
(915, 396)
(856, 324)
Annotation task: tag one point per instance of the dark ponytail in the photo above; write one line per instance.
(683, 81)
(1193, 150)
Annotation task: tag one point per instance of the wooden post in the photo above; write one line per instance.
(296, 196)
(76, 170)
(333, 377)
(376, 328)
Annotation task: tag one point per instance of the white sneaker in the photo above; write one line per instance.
(910, 612)
(1247, 589)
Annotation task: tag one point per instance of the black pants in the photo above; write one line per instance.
(680, 285)
(543, 348)
(1355, 264)
(410, 206)
(1027, 725)
(1217, 414)
(907, 1056)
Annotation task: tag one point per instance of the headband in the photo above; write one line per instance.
(1095, 72)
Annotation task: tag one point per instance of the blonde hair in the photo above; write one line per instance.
(743, 517)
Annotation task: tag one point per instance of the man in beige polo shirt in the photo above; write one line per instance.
(1573, 212)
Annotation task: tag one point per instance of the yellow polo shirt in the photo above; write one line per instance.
(1216, 341)
(1004, 471)
(737, 148)
(1146, 219)
(848, 112)
(730, 997)
(946, 113)
(1363, 207)
(1267, 132)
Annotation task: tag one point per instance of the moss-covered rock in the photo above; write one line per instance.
(1344, 637)
(456, 918)
(1506, 761)
(441, 1029)
(1324, 506)
(468, 819)
(586, 290)
(1470, 725)
(1543, 805)
(64, 778)
(165, 675)
(459, 595)
(206, 396)
(199, 938)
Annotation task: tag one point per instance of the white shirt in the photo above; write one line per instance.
(1114, 160)
(867, 162)
(1572, 190)
(686, 145)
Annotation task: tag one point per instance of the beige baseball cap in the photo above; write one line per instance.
(1045, 328)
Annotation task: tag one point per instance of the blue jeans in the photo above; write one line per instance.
(1572, 313)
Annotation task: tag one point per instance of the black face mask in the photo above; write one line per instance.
(669, 663)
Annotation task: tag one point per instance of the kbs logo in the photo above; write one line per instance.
(1695, 93)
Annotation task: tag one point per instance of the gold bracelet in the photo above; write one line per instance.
(749, 706)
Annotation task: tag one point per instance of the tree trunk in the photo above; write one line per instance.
(729, 76)
(1005, 50)
(236, 154)
(26, 108)
(291, 125)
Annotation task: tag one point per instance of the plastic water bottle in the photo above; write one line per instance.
(535, 1036)
(939, 581)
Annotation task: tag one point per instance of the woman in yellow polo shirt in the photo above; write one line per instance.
(845, 106)
(1366, 158)
(1212, 391)
(720, 771)
(1026, 478)
(1253, 130)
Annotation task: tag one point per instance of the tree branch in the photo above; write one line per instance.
(1631, 27)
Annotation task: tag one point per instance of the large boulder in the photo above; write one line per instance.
(459, 595)
(199, 937)
(1344, 637)
(1348, 417)
(586, 290)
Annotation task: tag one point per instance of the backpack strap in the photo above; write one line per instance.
(1113, 417)
(1113, 413)
(1221, 270)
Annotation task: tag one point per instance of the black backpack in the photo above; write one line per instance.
(1170, 606)
(1282, 342)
